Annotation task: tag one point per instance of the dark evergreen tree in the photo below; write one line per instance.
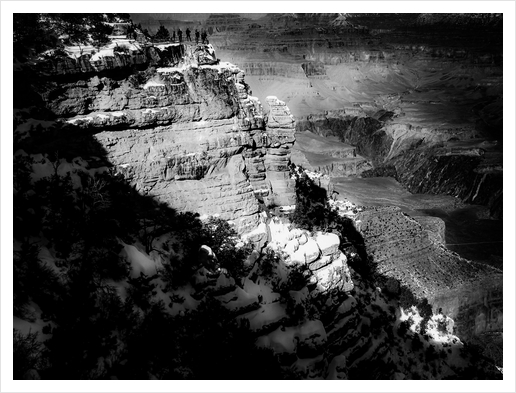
(162, 34)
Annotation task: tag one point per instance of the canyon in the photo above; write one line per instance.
(389, 105)
(398, 120)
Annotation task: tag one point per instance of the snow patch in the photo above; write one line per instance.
(140, 262)
(152, 83)
(265, 315)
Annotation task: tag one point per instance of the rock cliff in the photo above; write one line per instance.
(189, 134)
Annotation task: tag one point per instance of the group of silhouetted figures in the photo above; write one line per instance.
(202, 35)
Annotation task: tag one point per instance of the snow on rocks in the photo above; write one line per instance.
(238, 299)
(266, 315)
(153, 83)
(82, 119)
(311, 368)
(222, 66)
(260, 289)
(334, 275)
(200, 277)
(328, 243)
(312, 334)
(439, 327)
(305, 340)
(338, 368)
(281, 340)
(224, 281)
(140, 263)
(297, 258)
(165, 46)
(292, 246)
(321, 262)
(43, 167)
(345, 208)
(310, 250)
(35, 326)
(300, 296)
(347, 305)
(257, 236)
(320, 252)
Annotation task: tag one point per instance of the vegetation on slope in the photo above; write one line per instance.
(34, 33)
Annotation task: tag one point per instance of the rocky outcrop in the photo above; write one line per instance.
(320, 253)
(190, 135)
(402, 249)
(329, 157)
(433, 170)
(476, 309)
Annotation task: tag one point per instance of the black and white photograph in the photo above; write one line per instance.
(254, 196)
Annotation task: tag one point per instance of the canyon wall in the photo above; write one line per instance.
(189, 134)
(387, 85)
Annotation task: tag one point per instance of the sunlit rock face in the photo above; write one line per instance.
(190, 133)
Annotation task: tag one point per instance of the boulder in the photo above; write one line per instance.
(205, 54)
(334, 276)
(206, 257)
(298, 257)
(311, 250)
(302, 239)
(328, 243)
(321, 262)
(292, 246)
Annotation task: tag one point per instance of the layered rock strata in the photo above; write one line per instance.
(401, 248)
(320, 253)
(190, 135)
(411, 252)
(385, 84)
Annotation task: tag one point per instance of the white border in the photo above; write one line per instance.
(8, 8)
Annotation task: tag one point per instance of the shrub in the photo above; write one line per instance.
(224, 241)
(267, 263)
(27, 353)
(403, 328)
(314, 213)
(32, 280)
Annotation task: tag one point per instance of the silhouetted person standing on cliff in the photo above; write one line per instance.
(196, 36)
(180, 35)
(173, 36)
(204, 37)
(188, 38)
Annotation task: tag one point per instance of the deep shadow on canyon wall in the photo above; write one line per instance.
(217, 347)
(85, 309)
